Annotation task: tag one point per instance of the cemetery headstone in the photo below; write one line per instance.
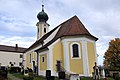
(61, 75)
(74, 77)
(48, 74)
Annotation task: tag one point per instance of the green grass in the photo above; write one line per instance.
(39, 78)
(110, 78)
(18, 75)
(35, 78)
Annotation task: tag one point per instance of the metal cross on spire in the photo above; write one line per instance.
(42, 5)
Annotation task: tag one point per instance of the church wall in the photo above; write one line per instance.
(76, 65)
(91, 55)
(28, 63)
(43, 63)
(58, 54)
(34, 56)
(40, 30)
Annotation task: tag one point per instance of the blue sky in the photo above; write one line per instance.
(18, 19)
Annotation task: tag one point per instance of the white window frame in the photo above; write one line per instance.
(71, 50)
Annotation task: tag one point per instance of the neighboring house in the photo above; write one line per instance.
(11, 56)
(69, 47)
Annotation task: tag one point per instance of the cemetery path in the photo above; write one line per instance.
(11, 77)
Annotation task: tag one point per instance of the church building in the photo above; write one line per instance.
(68, 47)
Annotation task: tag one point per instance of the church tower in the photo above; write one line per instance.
(42, 25)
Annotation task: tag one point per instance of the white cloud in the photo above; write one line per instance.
(21, 41)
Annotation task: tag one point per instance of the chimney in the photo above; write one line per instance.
(16, 46)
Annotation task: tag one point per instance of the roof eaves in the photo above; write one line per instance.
(13, 51)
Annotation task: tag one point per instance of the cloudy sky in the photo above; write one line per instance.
(18, 19)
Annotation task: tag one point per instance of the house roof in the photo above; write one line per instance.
(71, 27)
(12, 49)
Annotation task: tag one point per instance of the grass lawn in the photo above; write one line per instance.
(110, 78)
(43, 78)
(19, 75)
(86, 78)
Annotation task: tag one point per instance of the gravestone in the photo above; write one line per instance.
(26, 72)
(101, 72)
(74, 77)
(48, 74)
(61, 75)
(58, 66)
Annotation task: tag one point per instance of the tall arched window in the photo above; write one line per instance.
(75, 50)
(44, 30)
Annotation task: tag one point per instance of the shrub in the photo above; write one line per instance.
(14, 69)
(3, 73)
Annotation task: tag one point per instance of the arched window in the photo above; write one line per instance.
(75, 50)
(38, 33)
(44, 30)
(38, 30)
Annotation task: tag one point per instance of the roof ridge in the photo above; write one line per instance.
(70, 20)
(84, 26)
(12, 46)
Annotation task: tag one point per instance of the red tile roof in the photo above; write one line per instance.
(71, 27)
(12, 49)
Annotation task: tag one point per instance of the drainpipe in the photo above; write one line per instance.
(37, 61)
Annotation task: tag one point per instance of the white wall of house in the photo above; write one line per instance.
(7, 57)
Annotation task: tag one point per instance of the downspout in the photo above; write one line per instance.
(37, 61)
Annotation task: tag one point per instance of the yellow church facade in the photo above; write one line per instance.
(68, 47)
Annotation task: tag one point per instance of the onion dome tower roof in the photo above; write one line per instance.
(42, 16)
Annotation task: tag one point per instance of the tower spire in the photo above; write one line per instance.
(42, 25)
(42, 7)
